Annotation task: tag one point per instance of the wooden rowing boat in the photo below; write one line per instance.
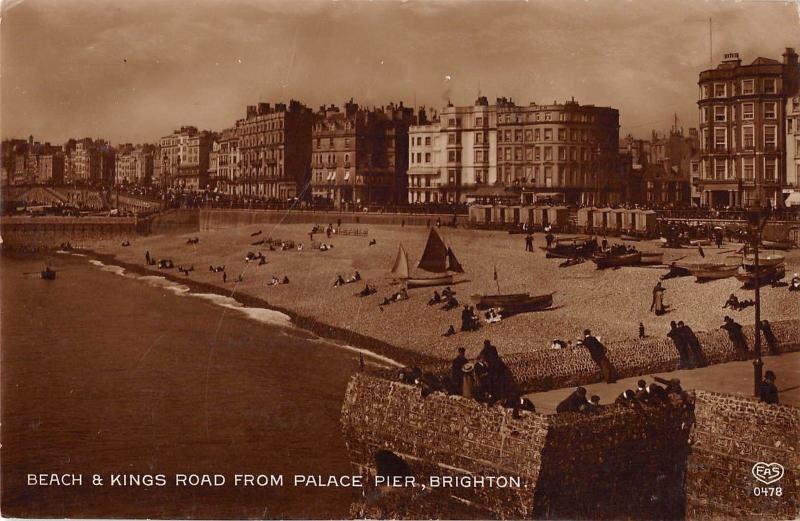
(713, 272)
(772, 259)
(652, 257)
(766, 275)
(421, 282)
(612, 261)
(778, 245)
(513, 301)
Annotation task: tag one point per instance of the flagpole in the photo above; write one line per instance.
(496, 279)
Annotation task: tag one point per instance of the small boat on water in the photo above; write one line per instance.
(778, 245)
(514, 302)
(613, 261)
(652, 257)
(771, 259)
(437, 258)
(713, 271)
(766, 275)
(48, 274)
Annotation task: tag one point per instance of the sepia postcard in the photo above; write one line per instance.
(423, 259)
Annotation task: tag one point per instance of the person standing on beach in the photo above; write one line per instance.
(529, 242)
(598, 354)
(456, 370)
(657, 304)
(224, 277)
(147, 257)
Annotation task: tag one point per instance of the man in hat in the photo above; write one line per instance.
(768, 392)
(736, 336)
(573, 402)
(456, 370)
(598, 354)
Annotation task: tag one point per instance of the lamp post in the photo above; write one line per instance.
(757, 218)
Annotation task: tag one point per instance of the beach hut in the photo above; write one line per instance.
(585, 218)
(541, 216)
(558, 216)
(646, 222)
(480, 213)
(614, 220)
(600, 218)
(628, 221)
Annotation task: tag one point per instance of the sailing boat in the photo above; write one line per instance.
(437, 258)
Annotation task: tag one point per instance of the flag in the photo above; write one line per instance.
(495, 273)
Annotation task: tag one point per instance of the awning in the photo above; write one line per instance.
(793, 199)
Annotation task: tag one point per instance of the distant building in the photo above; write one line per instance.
(228, 163)
(90, 161)
(426, 162)
(743, 140)
(134, 164)
(184, 159)
(359, 156)
(274, 144)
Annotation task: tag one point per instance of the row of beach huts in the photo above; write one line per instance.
(608, 220)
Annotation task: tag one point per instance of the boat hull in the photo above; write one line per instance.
(766, 275)
(421, 282)
(778, 245)
(764, 261)
(513, 301)
(652, 258)
(714, 273)
(628, 259)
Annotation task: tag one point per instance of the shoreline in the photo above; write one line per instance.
(338, 335)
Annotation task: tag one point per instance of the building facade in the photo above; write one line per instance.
(426, 165)
(360, 156)
(274, 146)
(184, 159)
(134, 164)
(743, 129)
(228, 163)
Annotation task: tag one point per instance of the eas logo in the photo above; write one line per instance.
(768, 473)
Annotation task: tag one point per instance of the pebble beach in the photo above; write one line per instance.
(610, 302)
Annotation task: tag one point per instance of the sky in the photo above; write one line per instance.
(135, 70)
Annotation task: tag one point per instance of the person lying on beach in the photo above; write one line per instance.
(240, 278)
(435, 299)
(794, 285)
(254, 234)
(274, 281)
(323, 247)
(558, 344)
(451, 303)
(262, 261)
(300, 247)
(355, 278)
(196, 240)
(126, 242)
(338, 282)
(367, 291)
(372, 242)
(447, 292)
(492, 316)
(450, 331)
(285, 280)
(258, 243)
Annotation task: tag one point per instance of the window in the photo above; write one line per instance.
(548, 116)
(529, 154)
(562, 153)
(748, 87)
(548, 176)
(770, 136)
(769, 86)
(769, 110)
(451, 156)
(562, 134)
(748, 110)
(548, 153)
(706, 91)
(451, 122)
(451, 139)
(478, 122)
(720, 137)
(528, 135)
(537, 154)
(748, 164)
(574, 135)
(507, 136)
(419, 157)
(517, 135)
(518, 154)
(427, 140)
(478, 137)
(573, 153)
(537, 134)
(719, 113)
(507, 155)
(548, 134)
(720, 168)
(747, 137)
(769, 168)
(719, 90)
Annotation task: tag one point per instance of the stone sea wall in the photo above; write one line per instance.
(218, 218)
(552, 369)
(38, 233)
(688, 458)
(730, 435)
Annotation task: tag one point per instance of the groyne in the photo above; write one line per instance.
(661, 461)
